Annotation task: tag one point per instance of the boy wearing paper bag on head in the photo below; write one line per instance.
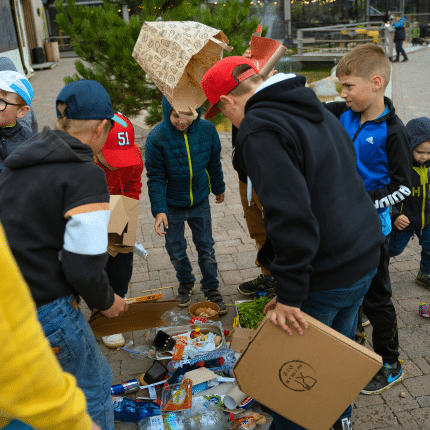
(183, 164)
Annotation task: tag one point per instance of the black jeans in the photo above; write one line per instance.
(379, 308)
(400, 50)
(119, 270)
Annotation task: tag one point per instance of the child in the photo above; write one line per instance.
(54, 206)
(302, 165)
(121, 160)
(15, 99)
(412, 216)
(183, 164)
(415, 32)
(384, 162)
(399, 37)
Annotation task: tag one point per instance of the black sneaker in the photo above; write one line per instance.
(215, 296)
(343, 424)
(423, 280)
(263, 282)
(364, 321)
(396, 60)
(387, 377)
(405, 59)
(184, 294)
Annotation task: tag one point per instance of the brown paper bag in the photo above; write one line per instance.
(176, 55)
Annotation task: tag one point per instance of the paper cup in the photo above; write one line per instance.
(234, 398)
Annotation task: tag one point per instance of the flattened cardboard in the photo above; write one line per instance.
(241, 338)
(139, 316)
(123, 220)
(309, 379)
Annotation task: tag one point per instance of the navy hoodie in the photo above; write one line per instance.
(322, 228)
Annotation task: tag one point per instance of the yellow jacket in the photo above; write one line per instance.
(33, 387)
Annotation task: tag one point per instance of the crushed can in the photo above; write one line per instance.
(125, 388)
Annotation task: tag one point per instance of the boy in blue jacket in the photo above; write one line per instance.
(412, 216)
(399, 37)
(183, 165)
(384, 163)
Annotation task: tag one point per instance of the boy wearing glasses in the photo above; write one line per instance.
(15, 98)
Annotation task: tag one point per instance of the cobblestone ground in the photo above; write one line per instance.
(236, 252)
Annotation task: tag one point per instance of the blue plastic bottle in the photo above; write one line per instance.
(129, 410)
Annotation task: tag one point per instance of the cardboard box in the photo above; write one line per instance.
(139, 316)
(240, 338)
(309, 379)
(123, 220)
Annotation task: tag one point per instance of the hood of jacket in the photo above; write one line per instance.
(167, 108)
(49, 146)
(289, 97)
(7, 64)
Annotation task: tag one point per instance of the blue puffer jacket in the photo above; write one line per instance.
(400, 29)
(182, 167)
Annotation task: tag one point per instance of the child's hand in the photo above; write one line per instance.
(161, 219)
(247, 53)
(219, 198)
(401, 222)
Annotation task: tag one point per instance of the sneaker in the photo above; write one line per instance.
(364, 321)
(387, 377)
(263, 282)
(343, 424)
(405, 59)
(215, 296)
(424, 310)
(184, 293)
(114, 340)
(423, 279)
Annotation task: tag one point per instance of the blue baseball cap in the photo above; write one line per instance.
(14, 82)
(86, 100)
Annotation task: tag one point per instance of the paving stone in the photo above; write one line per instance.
(407, 421)
(245, 260)
(371, 417)
(397, 403)
(410, 369)
(422, 417)
(363, 401)
(418, 386)
(414, 341)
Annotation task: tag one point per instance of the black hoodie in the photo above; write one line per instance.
(322, 228)
(45, 177)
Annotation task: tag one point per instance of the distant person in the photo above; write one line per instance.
(387, 17)
(415, 32)
(29, 120)
(121, 160)
(384, 163)
(15, 99)
(412, 216)
(54, 206)
(399, 37)
(34, 388)
(323, 236)
(183, 165)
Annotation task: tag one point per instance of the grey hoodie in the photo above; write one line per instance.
(11, 137)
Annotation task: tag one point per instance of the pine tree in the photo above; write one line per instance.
(103, 39)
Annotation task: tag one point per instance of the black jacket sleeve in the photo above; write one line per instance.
(399, 157)
(336, 108)
(87, 275)
(291, 225)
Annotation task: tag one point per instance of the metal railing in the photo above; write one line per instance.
(340, 38)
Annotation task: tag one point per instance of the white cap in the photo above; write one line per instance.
(14, 82)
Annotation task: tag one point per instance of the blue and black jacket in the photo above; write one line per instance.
(384, 158)
(416, 206)
(400, 33)
(182, 167)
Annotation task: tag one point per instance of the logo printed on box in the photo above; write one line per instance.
(298, 375)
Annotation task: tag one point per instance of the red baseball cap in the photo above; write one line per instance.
(120, 149)
(219, 80)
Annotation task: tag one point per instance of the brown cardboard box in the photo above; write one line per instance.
(240, 338)
(309, 379)
(123, 220)
(139, 316)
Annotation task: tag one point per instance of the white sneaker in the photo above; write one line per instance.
(114, 340)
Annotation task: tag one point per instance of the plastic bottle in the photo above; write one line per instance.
(129, 410)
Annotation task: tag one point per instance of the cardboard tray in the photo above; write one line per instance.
(139, 316)
(309, 379)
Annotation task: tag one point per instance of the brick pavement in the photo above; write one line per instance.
(235, 253)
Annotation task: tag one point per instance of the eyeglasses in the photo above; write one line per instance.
(4, 104)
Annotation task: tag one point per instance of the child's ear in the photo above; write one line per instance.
(22, 111)
(101, 126)
(228, 100)
(377, 82)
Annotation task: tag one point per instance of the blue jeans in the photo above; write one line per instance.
(399, 240)
(199, 219)
(17, 425)
(338, 309)
(78, 354)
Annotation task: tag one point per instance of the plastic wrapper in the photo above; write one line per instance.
(176, 397)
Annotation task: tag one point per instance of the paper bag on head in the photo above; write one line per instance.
(123, 220)
(265, 53)
(139, 316)
(176, 55)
